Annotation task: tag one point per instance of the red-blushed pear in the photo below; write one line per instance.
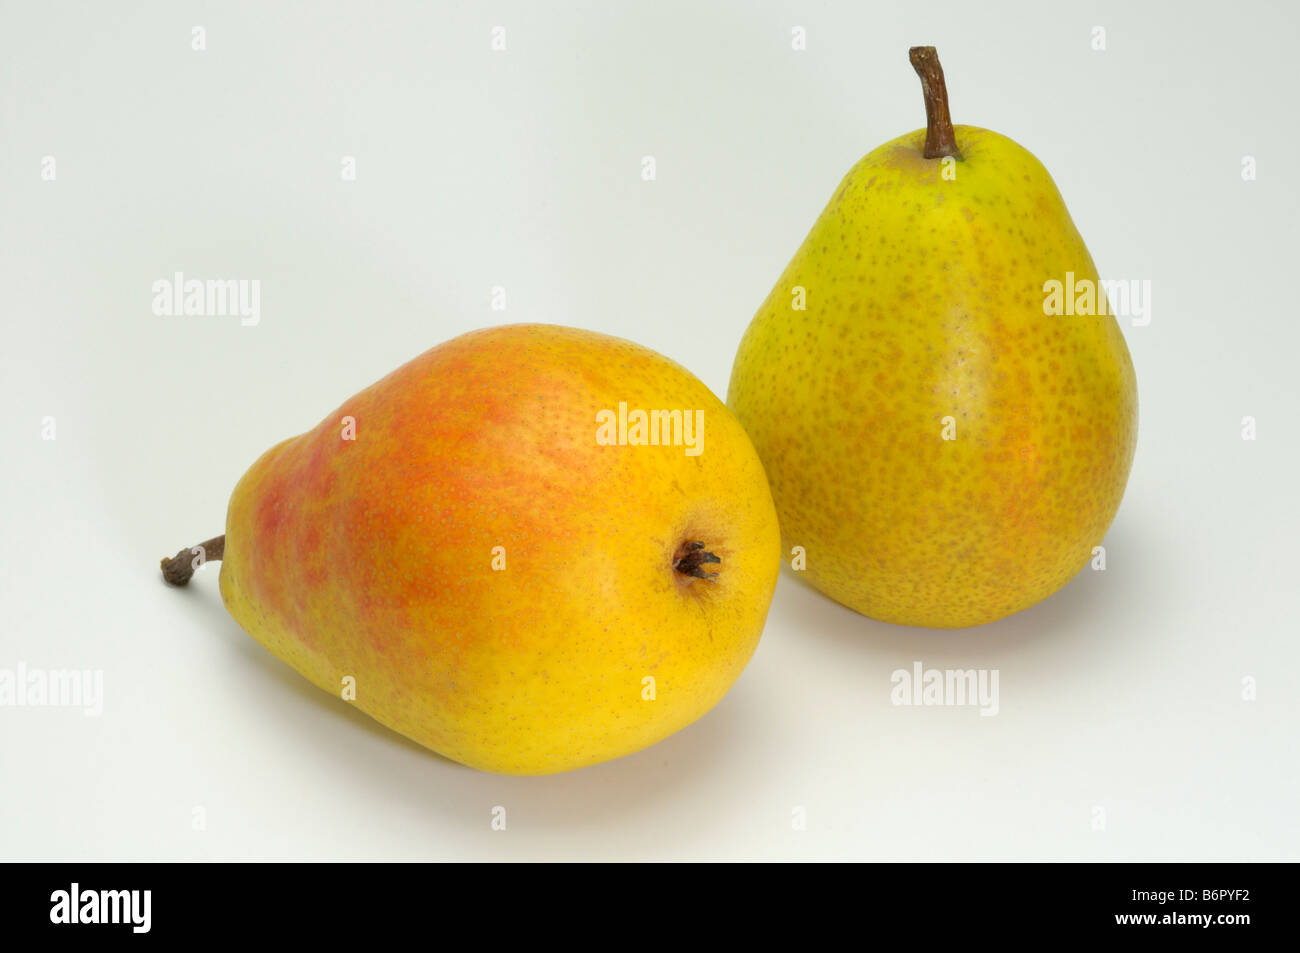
(531, 549)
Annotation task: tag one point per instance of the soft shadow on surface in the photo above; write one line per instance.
(205, 600)
(399, 777)
(601, 795)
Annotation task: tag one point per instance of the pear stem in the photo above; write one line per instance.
(940, 141)
(178, 570)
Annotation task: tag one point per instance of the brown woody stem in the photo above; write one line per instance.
(939, 138)
(178, 570)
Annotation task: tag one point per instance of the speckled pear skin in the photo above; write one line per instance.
(373, 558)
(924, 301)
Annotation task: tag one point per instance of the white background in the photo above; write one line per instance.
(522, 169)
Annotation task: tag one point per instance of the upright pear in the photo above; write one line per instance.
(944, 404)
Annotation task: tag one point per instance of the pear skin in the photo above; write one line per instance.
(945, 451)
(492, 579)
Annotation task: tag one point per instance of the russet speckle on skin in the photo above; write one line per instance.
(924, 301)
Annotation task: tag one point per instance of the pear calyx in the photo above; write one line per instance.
(178, 570)
(691, 559)
(940, 141)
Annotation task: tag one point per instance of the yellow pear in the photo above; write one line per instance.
(532, 548)
(945, 407)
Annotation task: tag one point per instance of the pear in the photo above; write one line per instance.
(945, 451)
(530, 549)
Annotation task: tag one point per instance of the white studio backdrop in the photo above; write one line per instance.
(1127, 728)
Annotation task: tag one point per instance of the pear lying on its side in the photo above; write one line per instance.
(486, 548)
(945, 451)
